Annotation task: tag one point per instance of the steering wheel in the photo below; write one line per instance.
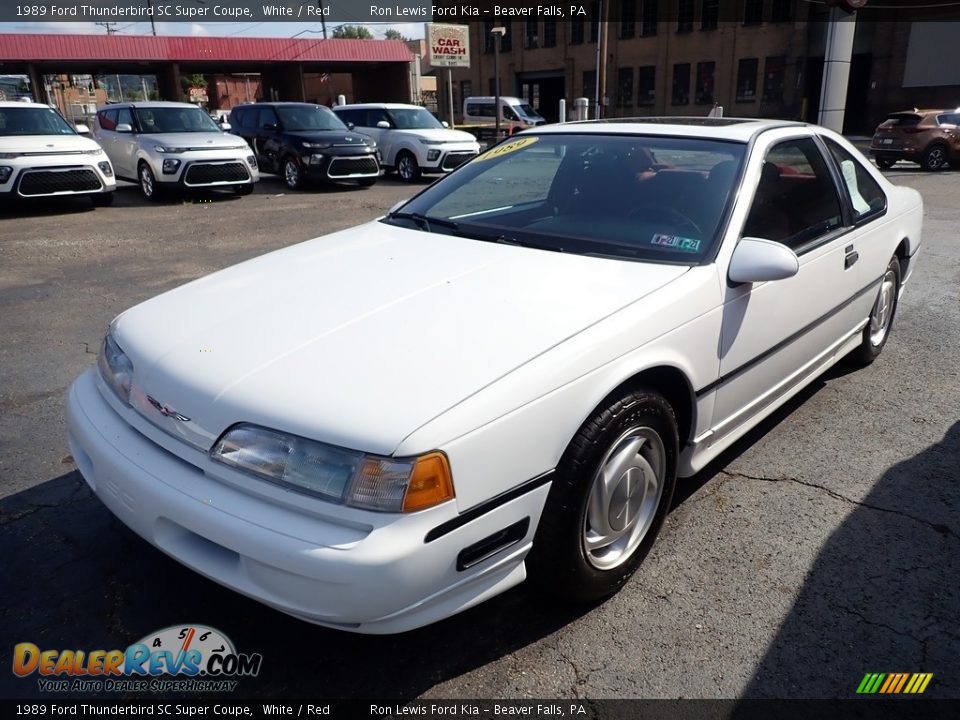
(669, 215)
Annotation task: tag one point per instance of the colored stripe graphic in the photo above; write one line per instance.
(894, 683)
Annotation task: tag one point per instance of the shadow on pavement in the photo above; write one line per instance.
(884, 593)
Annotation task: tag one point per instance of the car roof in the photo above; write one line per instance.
(735, 129)
(386, 106)
(21, 104)
(147, 104)
(279, 103)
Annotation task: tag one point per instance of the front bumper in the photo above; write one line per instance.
(344, 165)
(205, 173)
(344, 568)
(57, 180)
(449, 159)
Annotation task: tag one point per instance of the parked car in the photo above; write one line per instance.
(303, 142)
(42, 155)
(928, 137)
(411, 140)
(165, 146)
(515, 114)
(503, 377)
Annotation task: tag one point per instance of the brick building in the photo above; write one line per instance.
(753, 57)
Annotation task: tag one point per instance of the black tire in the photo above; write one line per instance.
(877, 331)
(243, 189)
(148, 183)
(292, 173)
(102, 199)
(560, 566)
(935, 157)
(407, 167)
(367, 182)
(884, 163)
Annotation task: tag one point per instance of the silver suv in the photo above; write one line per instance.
(167, 145)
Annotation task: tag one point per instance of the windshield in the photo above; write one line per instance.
(174, 120)
(414, 119)
(651, 198)
(38, 120)
(527, 111)
(309, 117)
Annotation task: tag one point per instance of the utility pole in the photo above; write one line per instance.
(498, 33)
(323, 23)
(602, 54)
(153, 27)
(596, 82)
(109, 26)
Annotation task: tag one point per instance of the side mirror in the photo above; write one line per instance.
(350, 126)
(226, 126)
(271, 126)
(758, 260)
(82, 129)
(383, 125)
(445, 123)
(124, 127)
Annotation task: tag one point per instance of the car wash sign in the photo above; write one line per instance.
(449, 45)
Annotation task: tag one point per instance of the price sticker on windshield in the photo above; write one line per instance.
(508, 148)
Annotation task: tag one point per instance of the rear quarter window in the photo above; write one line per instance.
(107, 119)
(902, 120)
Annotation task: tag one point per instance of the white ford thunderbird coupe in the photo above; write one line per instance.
(500, 379)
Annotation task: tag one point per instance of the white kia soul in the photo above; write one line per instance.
(42, 156)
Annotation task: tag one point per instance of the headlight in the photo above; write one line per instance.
(115, 368)
(336, 474)
(171, 150)
(251, 161)
(95, 151)
(316, 145)
(170, 165)
(431, 142)
(105, 168)
(5, 172)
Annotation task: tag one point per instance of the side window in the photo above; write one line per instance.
(796, 200)
(268, 116)
(125, 116)
(376, 115)
(107, 119)
(238, 117)
(866, 197)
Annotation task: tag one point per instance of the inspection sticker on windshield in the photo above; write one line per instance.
(676, 242)
(508, 148)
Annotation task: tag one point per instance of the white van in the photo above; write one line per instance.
(515, 114)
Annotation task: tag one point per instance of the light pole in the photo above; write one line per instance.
(498, 33)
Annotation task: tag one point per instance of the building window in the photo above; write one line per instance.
(705, 72)
(628, 18)
(781, 11)
(488, 37)
(752, 12)
(646, 85)
(681, 84)
(594, 21)
(549, 33)
(774, 78)
(531, 38)
(684, 16)
(709, 14)
(590, 84)
(648, 18)
(576, 32)
(625, 87)
(747, 80)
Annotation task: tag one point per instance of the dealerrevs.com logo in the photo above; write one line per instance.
(180, 658)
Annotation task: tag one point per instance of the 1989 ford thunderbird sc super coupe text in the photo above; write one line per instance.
(501, 378)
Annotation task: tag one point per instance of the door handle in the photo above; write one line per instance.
(851, 257)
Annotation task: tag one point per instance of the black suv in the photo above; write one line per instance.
(302, 141)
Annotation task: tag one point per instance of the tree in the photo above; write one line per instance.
(194, 80)
(394, 34)
(352, 32)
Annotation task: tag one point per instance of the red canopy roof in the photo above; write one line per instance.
(40, 48)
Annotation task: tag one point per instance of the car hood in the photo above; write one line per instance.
(337, 137)
(439, 134)
(361, 337)
(46, 143)
(197, 140)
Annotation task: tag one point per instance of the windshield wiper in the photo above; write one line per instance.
(425, 221)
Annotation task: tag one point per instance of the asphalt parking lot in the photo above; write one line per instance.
(824, 545)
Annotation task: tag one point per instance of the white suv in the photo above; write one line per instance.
(411, 140)
(42, 156)
(168, 145)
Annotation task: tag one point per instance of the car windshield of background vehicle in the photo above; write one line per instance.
(153, 120)
(33, 121)
(414, 119)
(650, 198)
(310, 117)
(527, 111)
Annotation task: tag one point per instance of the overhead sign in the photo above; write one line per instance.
(198, 95)
(449, 45)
